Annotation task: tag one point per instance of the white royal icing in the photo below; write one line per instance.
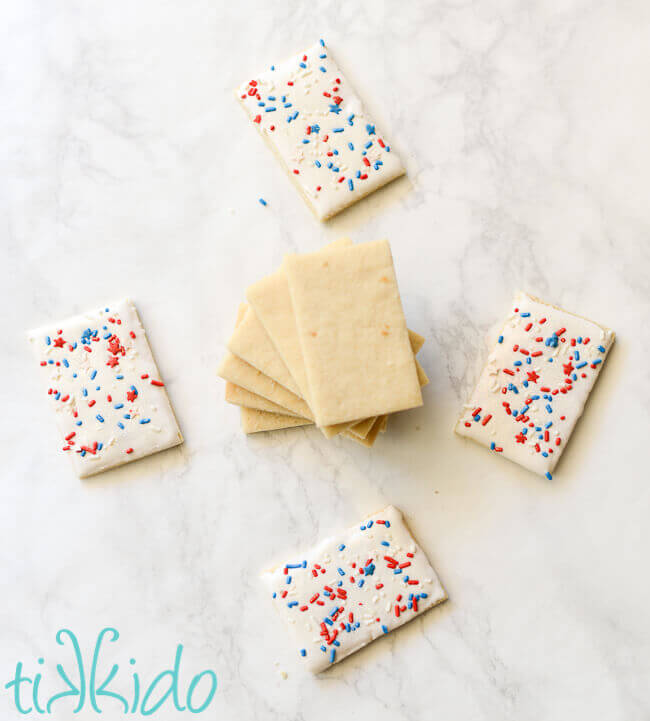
(353, 588)
(535, 384)
(317, 125)
(102, 381)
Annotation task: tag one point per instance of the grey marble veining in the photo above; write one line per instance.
(128, 168)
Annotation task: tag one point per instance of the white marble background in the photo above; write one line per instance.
(128, 168)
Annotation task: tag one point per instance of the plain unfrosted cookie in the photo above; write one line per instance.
(355, 344)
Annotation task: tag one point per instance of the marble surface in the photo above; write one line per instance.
(129, 169)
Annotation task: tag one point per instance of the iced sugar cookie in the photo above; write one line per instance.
(317, 126)
(535, 383)
(353, 588)
(102, 381)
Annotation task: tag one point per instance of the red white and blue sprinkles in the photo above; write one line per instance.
(535, 384)
(317, 124)
(101, 378)
(354, 588)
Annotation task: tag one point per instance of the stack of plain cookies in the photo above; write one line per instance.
(324, 341)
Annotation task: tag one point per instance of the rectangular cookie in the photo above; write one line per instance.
(102, 381)
(270, 298)
(353, 334)
(353, 588)
(535, 383)
(316, 125)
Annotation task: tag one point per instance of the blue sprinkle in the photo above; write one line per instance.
(302, 65)
(548, 408)
(119, 378)
(549, 476)
(288, 580)
(341, 571)
(350, 184)
(387, 524)
(332, 655)
(351, 146)
(600, 348)
(65, 363)
(274, 594)
(370, 524)
(291, 604)
(338, 130)
(597, 361)
(92, 375)
(322, 69)
(144, 421)
(84, 392)
(384, 628)
(368, 145)
(99, 418)
(303, 653)
(492, 446)
(78, 423)
(271, 109)
(500, 339)
(48, 340)
(342, 546)
(263, 202)
(370, 129)
(361, 582)
(317, 163)
(552, 341)
(385, 543)
(120, 425)
(322, 42)
(117, 406)
(525, 315)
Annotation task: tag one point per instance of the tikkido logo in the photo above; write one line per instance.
(87, 692)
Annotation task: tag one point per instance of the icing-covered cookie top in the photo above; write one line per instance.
(101, 378)
(354, 587)
(535, 383)
(317, 124)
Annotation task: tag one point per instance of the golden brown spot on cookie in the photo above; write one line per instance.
(384, 279)
(314, 333)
